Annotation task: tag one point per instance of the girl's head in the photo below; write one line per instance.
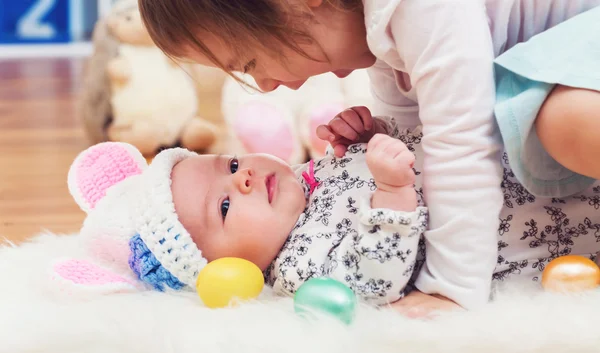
(278, 42)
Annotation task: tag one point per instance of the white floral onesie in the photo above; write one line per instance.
(339, 235)
(532, 232)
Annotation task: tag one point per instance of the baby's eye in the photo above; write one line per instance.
(225, 208)
(234, 164)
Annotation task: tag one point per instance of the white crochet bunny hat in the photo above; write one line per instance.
(131, 216)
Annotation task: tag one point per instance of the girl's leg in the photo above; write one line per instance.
(568, 125)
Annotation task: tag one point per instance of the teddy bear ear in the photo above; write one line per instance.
(99, 167)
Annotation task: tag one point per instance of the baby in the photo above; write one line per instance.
(355, 218)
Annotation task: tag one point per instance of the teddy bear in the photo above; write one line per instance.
(284, 122)
(136, 94)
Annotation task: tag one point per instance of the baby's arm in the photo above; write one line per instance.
(378, 258)
(447, 50)
(391, 160)
(391, 164)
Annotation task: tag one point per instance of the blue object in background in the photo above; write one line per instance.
(37, 21)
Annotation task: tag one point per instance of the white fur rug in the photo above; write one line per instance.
(523, 320)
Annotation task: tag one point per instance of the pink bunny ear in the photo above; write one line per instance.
(99, 167)
(83, 279)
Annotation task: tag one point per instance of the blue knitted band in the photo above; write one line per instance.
(148, 269)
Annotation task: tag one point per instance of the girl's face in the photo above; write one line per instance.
(237, 207)
(339, 46)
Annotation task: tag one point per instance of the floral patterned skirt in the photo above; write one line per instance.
(534, 230)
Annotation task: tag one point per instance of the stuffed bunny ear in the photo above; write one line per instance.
(99, 167)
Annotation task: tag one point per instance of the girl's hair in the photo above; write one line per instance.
(177, 25)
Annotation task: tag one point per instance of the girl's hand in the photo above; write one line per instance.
(424, 306)
(354, 125)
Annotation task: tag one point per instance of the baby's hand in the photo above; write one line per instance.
(354, 125)
(390, 162)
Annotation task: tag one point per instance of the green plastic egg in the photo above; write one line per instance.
(327, 296)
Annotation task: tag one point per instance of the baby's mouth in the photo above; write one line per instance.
(271, 183)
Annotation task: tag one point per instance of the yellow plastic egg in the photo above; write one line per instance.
(571, 273)
(224, 281)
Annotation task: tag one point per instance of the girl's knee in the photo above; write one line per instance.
(568, 114)
(567, 126)
(554, 118)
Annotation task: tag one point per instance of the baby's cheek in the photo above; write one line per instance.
(205, 241)
(196, 240)
(249, 231)
(247, 244)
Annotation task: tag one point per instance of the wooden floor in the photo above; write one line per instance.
(40, 135)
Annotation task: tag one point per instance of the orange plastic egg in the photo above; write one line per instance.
(571, 273)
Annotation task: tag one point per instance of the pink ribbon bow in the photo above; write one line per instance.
(310, 176)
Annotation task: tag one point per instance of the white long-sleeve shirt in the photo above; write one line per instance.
(339, 235)
(435, 68)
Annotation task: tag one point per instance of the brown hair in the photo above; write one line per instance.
(175, 25)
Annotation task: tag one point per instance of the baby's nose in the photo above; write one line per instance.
(243, 180)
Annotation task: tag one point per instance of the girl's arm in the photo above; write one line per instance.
(446, 48)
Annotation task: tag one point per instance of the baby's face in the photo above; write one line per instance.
(244, 207)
